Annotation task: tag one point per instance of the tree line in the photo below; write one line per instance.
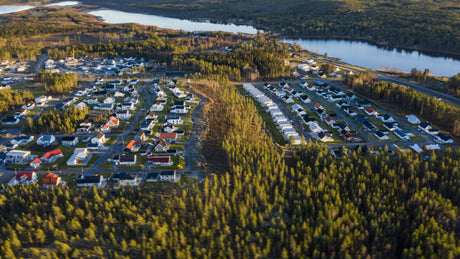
(430, 108)
(10, 99)
(54, 121)
(268, 204)
(58, 83)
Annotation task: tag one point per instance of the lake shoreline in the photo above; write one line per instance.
(277, 35)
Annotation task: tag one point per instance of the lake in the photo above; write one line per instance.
(4, 9)
(367, 55)
(118, 17)
(352, 52)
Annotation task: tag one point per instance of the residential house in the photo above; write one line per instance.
(168, 137)
(99, 139)
(22, 140)
(52, 156)
(10, 120)
(24, 178)
(412, 119)
(369, 126)
(348, 136)
(156, 107)
(36, 163)
(90, 180)
(69, 141)
(314, 127)
(46, 140)
(123, 115)
(325, 136)
(433, 132)
(381, 136)
(128, 107)
(127, 159)
(169, 175)
(161, 146)
(386, 118)
(51, 180)
(425, 126)
(152, 177)
(91, 101)
(106, 106)
(105, 128)
(370, 111)
(175, 120)
(350, 97)
(109, 100)
(391, 126)
(113, 122)
(329, 120)
(159, 160)
(400, 134)
(83, 130)
(132, 146)
(147, 125)
(79, 157)
(140, 136)
(129, 180)
(318, 106)
(81, 106)
(305, 98)
(169, 128)
(42, 100)
(151, 116)
(441, 138)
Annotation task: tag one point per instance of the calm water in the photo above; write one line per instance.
(353, 52)
(4, 9)
(64, 3)
(366, 55)
(117, 17)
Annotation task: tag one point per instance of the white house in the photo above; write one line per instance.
(18, 156)
(99, 139)
(129, 180)
(79, 156)
(22, 140)
(24, 178)
(46, 140)
(157, 107)
(123, 115)
(168, 176)
(175, 120)
(42, 100)
(413, 119)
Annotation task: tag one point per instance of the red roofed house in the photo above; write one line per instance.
(370, 111)
(105, 128)
(51, 156)
(160, 160)
(36, 163)
(51, 180)
(318, 106)
(169, 137)
(132, 146)
(329, 120)
(113, 122)
(24, 178)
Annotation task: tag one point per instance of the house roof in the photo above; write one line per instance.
(27, 175)
(36, 160)
(159, 159)
(127, 158)
(52, 153)
(130, 144)
(369, 110)
(69, 138)
(100, 135)
(318, 105)
(114, 120)
(167, 135)
(329, 118)
(50, 178)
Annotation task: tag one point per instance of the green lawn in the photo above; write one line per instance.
(110, 141)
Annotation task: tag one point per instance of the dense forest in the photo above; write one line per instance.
(269, 204)
(10, 99)
(53, 121)
(409, 100)
(453, 85)
(431, 25)
(58, 83)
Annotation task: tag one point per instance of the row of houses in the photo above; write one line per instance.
(283, 124)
